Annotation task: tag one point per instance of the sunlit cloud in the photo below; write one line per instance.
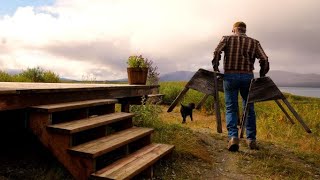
(78, 37)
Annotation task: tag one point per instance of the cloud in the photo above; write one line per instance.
(96, 37)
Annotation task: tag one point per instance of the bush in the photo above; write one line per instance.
(51, 77)
(31, 75)
(147, 114)
(5, 77)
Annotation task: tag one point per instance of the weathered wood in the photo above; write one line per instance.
(177, 100)
(243, 121)
(203, 81)
(155, 98)
(264, 89)
(125, 106)
(58, 145)
(127, 101)
(88, 123)
(296, 115)
(73, 105)
(246, 110)
(20, 98)
(135, 163)
(18, 87)
(203, 100)
(216, 103)
(209, 83)
(284, 111)
(106, 144)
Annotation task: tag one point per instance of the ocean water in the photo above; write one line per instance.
(302, 91)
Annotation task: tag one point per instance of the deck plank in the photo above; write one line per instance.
(135, 163)
(73, 105)
(106, 144)
(88, 123)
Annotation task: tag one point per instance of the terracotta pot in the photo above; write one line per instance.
(137, 75)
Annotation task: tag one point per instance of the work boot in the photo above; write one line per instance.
(252, 144)
(233, 144)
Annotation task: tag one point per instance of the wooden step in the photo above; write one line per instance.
(73, 105)
(135, 163)
(106, 144)
(155, 95)
(88, 123)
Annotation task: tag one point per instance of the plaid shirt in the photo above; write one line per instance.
(240, 52)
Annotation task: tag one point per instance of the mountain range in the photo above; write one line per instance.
(280, 78)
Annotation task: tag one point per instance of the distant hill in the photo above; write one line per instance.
(281, 78)
(177, 76)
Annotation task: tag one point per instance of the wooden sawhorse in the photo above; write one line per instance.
(264, 89)
(203, 81)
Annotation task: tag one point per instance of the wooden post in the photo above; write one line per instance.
(284, 111)
(125, 106)
(246, 111)
(296, 115)
(216, 103)
(205, 97)
(178, 98)
(244, 118)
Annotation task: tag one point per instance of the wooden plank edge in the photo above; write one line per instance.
(165, 152)
(102, 152)
(54, 129)
(65, 108)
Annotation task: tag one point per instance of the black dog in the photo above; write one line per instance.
(186, 111)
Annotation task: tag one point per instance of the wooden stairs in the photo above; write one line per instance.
(94, 142)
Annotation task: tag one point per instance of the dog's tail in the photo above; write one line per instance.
(182, 105)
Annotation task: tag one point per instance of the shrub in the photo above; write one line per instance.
(5, 77)
(51, 77)
(31, 75)
(153, 74)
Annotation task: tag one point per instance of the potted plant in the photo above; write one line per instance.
(137, 70)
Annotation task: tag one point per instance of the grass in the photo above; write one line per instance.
(287, 152)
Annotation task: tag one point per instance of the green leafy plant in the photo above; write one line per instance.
(137, 62)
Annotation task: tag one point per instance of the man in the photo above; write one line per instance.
(240, 52)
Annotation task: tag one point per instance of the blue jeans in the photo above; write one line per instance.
(233, 84)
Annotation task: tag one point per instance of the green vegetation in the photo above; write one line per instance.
(31, 75)
(287, 151)
(137, 62)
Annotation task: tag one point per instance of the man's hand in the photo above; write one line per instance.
(264, 68)
(215, 65)
(262, 73)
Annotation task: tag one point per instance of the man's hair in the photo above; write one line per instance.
(239, 27)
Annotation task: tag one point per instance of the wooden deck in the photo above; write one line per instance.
(21, 95)
(78, 124)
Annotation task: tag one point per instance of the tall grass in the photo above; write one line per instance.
(298, 151)
(148, 115)
(272, 124)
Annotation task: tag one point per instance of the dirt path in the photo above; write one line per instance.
(225, 162)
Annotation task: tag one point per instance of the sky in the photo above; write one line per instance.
(94, 38)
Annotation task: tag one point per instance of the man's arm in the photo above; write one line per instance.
(263, 60)
(217, 53)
